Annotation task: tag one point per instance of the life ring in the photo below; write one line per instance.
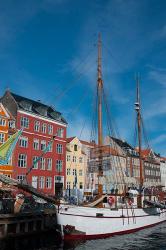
(111, 200)
(130, 202)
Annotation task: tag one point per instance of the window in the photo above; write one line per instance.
(68, 157)
(20, 177)
(49, 164)
(59, 148)
(23, 142)
(74, 172)
(80, 160)
(74, 159)
(34, 181)
(44, 128)
(24, 122)
(43, 145)
(41, 182)
(37, 126)
(58, 178)
(42, 163)
(49, 182)
(59, 165)
(75, 147)
(68, 171)
(2, 122)
(81, 185)
(50, 147)
(12, 124)
(2, 138)
(80, 172)
(22, 160)
(60, 132)
(35, 162)
(50, 129)
(36, 144)
(68, 185)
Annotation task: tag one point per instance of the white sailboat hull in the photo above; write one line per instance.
(91, 223)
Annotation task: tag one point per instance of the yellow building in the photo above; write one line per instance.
(75, 164)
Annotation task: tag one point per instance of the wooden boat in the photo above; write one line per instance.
(110, 214)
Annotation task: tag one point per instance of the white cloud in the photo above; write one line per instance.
(159, 76)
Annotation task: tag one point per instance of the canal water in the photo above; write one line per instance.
(149, 239)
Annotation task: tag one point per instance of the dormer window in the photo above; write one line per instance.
(42, 110)
(26, 105)
(75, 147)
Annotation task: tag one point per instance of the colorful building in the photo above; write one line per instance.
(40, 124)
(7, 128)
(75, 164)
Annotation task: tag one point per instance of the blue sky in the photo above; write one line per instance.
(48, 52)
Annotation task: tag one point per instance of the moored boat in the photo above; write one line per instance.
(111, 214)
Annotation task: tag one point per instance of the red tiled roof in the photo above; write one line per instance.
(145, 152)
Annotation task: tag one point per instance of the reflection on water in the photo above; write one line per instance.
(150, 239)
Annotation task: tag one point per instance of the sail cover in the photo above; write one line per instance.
(7, 148)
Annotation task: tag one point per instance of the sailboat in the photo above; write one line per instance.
(109, 214)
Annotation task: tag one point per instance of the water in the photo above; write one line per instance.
(149, 239)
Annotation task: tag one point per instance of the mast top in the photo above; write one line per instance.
(99, 70)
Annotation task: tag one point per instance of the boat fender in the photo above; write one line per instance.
(111, 200)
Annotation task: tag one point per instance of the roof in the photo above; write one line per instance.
(87, 143)
(38, 108)
(122, 143)
(145, 152)
(68, 140)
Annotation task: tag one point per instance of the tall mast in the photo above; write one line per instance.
(138, 110)
(100, 133)
(99, 92)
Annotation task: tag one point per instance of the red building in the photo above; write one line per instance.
(40, 123)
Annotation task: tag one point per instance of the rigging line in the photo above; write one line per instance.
(145, 134)
(94, 119)
(58, 97)
(108, 117)
(109, 129)
(75, 68)
(113, 57)
(77, 78)
(78, 106)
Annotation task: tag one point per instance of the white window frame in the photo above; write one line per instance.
(41, 182)
(42, 163)
(44, 128)
(23, 142)
(50, 129)
(37, 126)
(22, 160)
(24, 122)
(59, 148)
(2, 137)
(59, 166)
(36, 144)
(49, 163)
(48, 182)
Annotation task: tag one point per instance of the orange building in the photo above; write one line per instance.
(7, 128)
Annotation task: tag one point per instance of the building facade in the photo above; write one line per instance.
(163, 172)
(75, 164)
(40, 124)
